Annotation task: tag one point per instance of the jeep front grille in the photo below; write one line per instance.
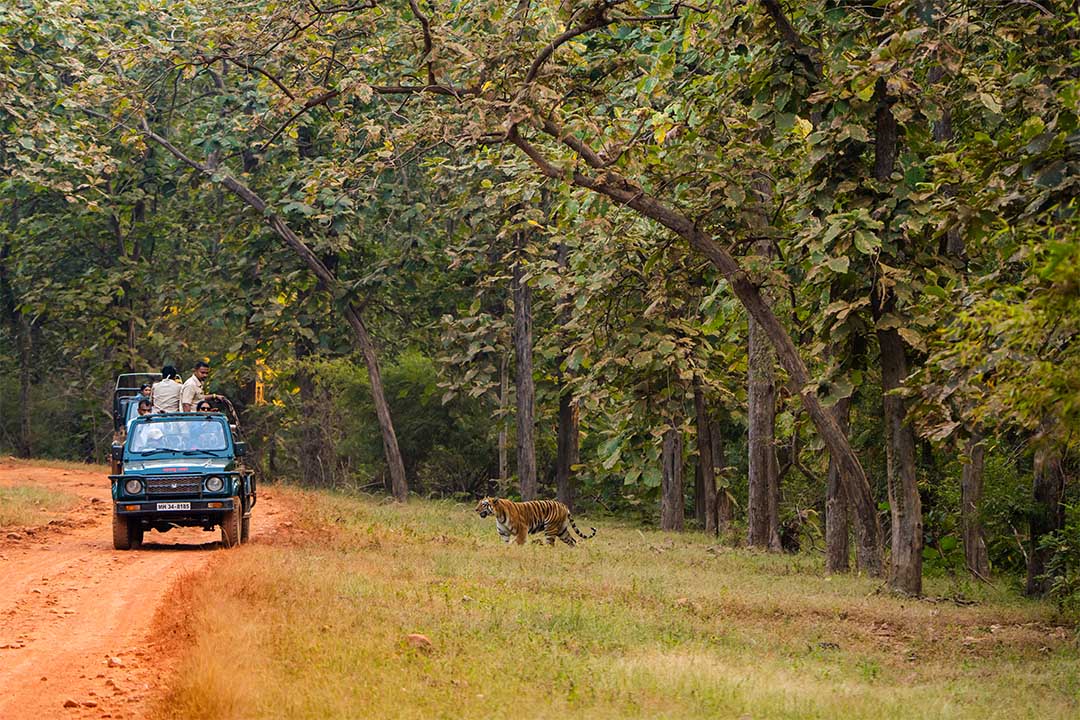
(174, 485)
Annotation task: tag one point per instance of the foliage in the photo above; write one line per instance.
(1063, 567)
(422, 150)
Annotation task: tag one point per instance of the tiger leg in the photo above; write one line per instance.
(566, 537)
(522, 531)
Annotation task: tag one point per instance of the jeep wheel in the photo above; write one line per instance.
(230, 525)
(126, 534)
(245, 529)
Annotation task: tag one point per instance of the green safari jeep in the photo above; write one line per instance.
(181, 470)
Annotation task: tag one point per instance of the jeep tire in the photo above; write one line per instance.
(230, 525)
(127, 534)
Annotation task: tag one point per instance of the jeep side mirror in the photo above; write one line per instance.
(117, 452)
(240, 448)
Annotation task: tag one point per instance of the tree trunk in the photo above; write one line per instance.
(396, 466)
(523, 378)
(837, 552)
(1047, 515)
(725, 509)
(26, 360)
(504, 394)
(905, 568)
(621, 190)
(905, 573)
(971, 488)
(569, 437)
(568, 449)
(394, 462)
(705, 495)
(762, 509)
(671, 491)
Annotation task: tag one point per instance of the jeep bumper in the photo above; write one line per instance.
(173, 506)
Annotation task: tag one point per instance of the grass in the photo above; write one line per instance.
(29, 505)
(629, 625)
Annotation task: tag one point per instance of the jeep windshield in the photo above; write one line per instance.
(188, 437)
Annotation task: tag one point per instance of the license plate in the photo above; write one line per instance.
(174, 506)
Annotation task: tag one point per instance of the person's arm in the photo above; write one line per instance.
(187, 397)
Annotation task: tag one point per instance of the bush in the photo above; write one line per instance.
(1063, 566)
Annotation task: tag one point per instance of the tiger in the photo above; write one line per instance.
(518, 519)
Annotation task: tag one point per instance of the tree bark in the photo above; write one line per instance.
(394, 462)
(671, 491)
(971, 488)
(523, 378)
(621, 190)
(567, 453)
(1047, 515)
(705, 495)
(905, 567)
(837, 552)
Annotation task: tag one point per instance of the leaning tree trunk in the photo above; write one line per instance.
(705, 497)
(382, 409)
(526, 391)
(971, 488)
(671, 489)
(905, 566)
(623, 191)
(837, 552)
(1047, 515)
(327, 278)
(567, 453)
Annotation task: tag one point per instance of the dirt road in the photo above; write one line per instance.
(77, 617)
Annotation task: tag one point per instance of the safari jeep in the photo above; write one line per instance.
(181, 470)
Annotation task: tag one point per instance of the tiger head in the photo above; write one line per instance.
(486, 507)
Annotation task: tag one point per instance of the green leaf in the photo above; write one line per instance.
(838, 265)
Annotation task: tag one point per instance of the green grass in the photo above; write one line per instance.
(629, 625)
(23, 505)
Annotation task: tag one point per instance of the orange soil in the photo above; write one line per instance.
(78, 636)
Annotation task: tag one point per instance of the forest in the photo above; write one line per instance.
(804, 276)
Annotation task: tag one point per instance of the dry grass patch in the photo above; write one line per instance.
(627, 625)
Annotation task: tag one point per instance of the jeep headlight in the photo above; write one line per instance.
(215, 483)
(133, 487)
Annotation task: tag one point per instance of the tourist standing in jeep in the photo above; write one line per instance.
(166, 392)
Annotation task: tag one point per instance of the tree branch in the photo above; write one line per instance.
(425, 23)
(803, 52)
(265, 74)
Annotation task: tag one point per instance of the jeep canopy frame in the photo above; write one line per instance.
(127, 387)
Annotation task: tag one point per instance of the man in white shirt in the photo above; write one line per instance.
(165, 393)
(191, 392)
